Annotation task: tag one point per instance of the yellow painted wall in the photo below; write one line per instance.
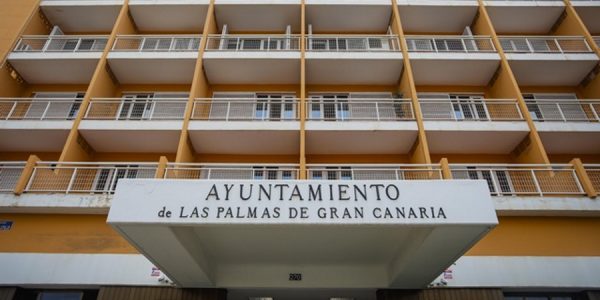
(23, 156)
(125, 157)
(358, 159)
(541, 236)
(225, 158)
(474, 158)
(61, 234)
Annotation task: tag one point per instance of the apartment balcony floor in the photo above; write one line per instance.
(430, 68)
(548, 69)
(55, 67)
(82, 15)
(259, 15)
(146, 136)
(474, 137)
(247, 67)
(34, 135)
(536, 17)
(348, 16)
(378, 68)
(360, 137)
(133, 67)
(169, 15)
(245, 137)
(441, 16)
(570, 137)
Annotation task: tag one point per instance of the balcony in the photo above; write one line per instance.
(353, 59)
(232, 171)
(85, 177)
(34, 124)
(360, 126)
(169, 15)
(373, 172)
(535, 17)
(58, 59)
(252, 59)
(124, 125)
(258, 15)
(567, 126)
(523, 180)
(421, 16)
(154, 59)
(82, 15)
(473, 126)
(549, 60)
(348, 16)
(452, 60)
(10, 172)
(245, 126)
(588, 11)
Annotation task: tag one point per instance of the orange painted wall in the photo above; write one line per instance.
(61, 234)
(541, 236)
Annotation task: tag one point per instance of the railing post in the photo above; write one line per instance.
(71, 180)
(593, 110)
(162, 167)
(584, 179)
(43, 116)
(562, 115)
(227, 112)
(26, 174)
(485, 109)
(536, 183)
(12, 110)
(377, 110)
(446, 171)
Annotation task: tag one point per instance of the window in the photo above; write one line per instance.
(542, 296)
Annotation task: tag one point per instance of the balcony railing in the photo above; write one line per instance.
(545, 44)
(353, 43)
(246, 109)
(450, 44)
(156, 43)
(85, 177)
(232, 171)
(470, 110)
(360, 110)
(564, 110)
(39, 109)
(61, 43)
(10, 172)
(246, 42)
(136, 109)
(593, 172)
(374, 172)
(522, 180)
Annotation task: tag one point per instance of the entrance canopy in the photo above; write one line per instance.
(302, 233)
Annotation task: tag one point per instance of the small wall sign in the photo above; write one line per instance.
(6, 225)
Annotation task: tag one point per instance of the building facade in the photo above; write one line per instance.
(299, 149)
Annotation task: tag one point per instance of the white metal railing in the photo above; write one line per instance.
(470, 109)
(522, 180)
(373, 172)
(61, 43)
(593, 172)
(85, 177)
(544, 44)
(352, 43)
(39, 108)
(10, 172)
(156, 43)
(246, 109)
(248, 42)
(136, 109)
(450, 44)
(357, 109)
(256, 171)
(564, 110)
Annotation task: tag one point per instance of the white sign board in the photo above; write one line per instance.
(302, 202)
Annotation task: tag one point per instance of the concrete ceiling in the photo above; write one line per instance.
(551, 69)
(454, 68)
(169, 15)
(436, 16)
(524, 17)
(349, 16)
(83, 16)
